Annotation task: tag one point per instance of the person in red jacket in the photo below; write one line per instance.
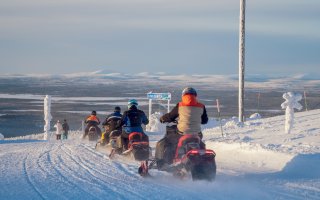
(92, 120)
(189, 115)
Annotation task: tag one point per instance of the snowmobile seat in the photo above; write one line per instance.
(140, 146)
(186, 143)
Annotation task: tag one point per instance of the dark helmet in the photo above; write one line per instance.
(132, 102)
(117, 109)
(93, 112)
(189, 90)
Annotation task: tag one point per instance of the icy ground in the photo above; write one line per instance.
(256, 160)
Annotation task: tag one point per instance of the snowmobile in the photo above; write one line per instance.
(189, 157)
(92, 134)
(138, 149)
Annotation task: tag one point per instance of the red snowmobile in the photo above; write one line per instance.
(189, 158)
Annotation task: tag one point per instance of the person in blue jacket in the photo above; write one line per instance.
(111, 124)
(131, 121)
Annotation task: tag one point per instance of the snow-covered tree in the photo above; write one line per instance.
(47, 116)
(291, 103)
(154, 123)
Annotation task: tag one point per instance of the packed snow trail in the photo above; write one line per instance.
(72, 169)
(62, 170)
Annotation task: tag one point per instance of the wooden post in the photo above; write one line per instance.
(150, 107)
(305, 100)
(258, 102)
(218, 108)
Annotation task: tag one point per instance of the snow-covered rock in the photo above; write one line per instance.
(255, 116)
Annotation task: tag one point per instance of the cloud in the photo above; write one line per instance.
(70, 16)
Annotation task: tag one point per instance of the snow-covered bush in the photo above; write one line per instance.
(290, 104)
(233, 123)
(154, 123)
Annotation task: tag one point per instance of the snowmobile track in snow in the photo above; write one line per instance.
(29, 180)
(92, 172)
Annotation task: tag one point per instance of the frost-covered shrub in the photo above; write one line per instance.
(290, 104)
(154, 123)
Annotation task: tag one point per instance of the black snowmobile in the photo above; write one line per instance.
(92, 134)
(189, 157)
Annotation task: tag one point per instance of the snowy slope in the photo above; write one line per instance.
(256, 160)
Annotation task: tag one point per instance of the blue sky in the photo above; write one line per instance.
(172, 36)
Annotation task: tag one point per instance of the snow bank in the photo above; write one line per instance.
(212, 123)
(302, 166)
(248, 158)
(74, 135)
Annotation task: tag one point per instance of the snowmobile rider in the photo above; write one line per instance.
(189, 114)
(131, 120)
(110, 124)
(92, 120)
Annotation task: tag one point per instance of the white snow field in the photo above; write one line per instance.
(256, 160)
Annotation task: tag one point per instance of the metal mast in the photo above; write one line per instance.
(241, 58)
